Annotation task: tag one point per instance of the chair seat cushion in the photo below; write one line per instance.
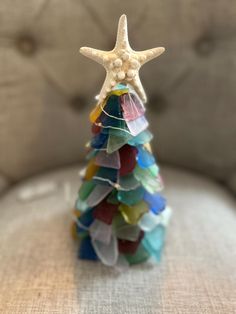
(40, 272)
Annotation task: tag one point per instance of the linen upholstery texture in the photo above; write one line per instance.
(47, 88)
(40, 273)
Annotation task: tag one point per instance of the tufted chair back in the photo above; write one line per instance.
(47, 88)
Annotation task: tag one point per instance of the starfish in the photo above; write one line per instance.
(122, 64)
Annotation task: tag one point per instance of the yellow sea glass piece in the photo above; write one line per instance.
(95, 113)
(73, 230)
(91, 170)
(132, 214)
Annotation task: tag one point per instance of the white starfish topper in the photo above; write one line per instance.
(122, 64)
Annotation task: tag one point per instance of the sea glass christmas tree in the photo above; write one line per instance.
(120, 215)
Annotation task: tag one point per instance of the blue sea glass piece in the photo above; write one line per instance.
(144, 158)
(86, 250)
(153, 242)
(86, 219)
(140, 139)
(106, 176)
(156, 202)
(99, 141)
(131, 197)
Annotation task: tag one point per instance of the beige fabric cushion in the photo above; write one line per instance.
(47, 88)
(39, 271)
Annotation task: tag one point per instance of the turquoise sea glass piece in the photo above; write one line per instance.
(140, 139)
(144, 158)
(107, 176)
(154, 170)
(153, 241)
(81, 205)
(131, 197)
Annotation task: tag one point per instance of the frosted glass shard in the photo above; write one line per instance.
(131, 197)
(150, 183)
(165, 216)
(132, 214)
(98, 194)
(154, 170)
(128, 232)
(144, 158)
(149, 221)
(85, 189)
(140, 256)
(108, 160)
(141, 139)
(132, 107)
(99, 141)
(81, 205)
(153, 241)
(122, 264)
(128, 182)
(137, 126)
(116, 142)
(107, 253)
(100, 231)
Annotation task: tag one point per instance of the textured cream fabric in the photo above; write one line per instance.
(39, 271)
(191, 87)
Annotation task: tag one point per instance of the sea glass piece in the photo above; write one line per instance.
(154, 170)
(128, 182)
(116, 142)
(91, 154)
(132, 214)
(95, 113)
(144, 158)
(141, 139)
(108, 160)
(122, 264)
(153, 241)
(99, 141)
(112, 197)
(85, 189)
(119, 89)
(129, 247)
(100, 231)
(86, 250)
(81, 205)
(140, 256)
(137, 126)
(128, 232)
(149, 221)
(105, 212)
(107, 176)
(98, 194)
(91, 170)
(127, 159)
(96, 129)
(165, 216)
(132, 106)
(86, 219)
(131, 197)
(150, 183)
(155, 201)
(107, 253)
(112, 108)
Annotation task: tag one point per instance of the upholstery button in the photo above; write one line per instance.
(27, 45)
(78, 103)
(158, 103)
(205, 45)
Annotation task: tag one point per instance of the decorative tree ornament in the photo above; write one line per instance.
(122, 64)
(120, 215)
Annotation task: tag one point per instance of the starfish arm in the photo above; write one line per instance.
(94, 54)
(139, 88)
(149, 54)
(106, 87)
(122, 40)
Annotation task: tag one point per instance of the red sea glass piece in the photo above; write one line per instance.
(129, 247)
(95, 128)
(105, 212)
(127, 159)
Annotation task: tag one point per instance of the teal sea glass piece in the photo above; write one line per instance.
(131, 197)
(142, 138)
(153, 242)
(85, 189)
(144, 158)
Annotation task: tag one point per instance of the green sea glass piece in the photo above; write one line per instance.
(85, 189)
(140, 139)
(140, 256)
(151, 183)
